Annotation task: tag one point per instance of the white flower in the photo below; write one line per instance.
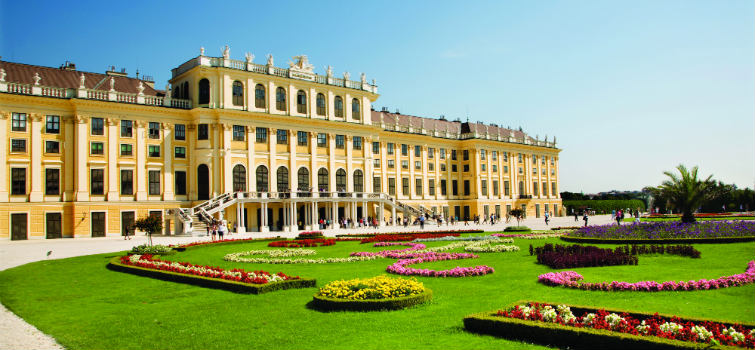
(613, 320)
(588, 319)
(735, 336)
(671, 327)
(565, 313)
(549, 314)
(643, 328)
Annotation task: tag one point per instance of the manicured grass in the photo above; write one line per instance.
(86, 306)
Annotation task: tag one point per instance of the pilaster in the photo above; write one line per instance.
(348, 139)
(215, 159)
(227, 161)
(293, 171)
(251, 167)
(272, 171)
(36, 194)
(69, 128)
(112, 159)
(4, 195)
(82, 155)
(191, 136)
(141, 160)
(168, 183)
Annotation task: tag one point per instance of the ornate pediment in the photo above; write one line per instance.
(301, 65)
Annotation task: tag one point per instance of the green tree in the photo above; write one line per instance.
(518, 214)
(149, 224)
(686, 192)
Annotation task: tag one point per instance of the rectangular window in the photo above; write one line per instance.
(545, 189)
(261, 135)
(392, 186)
(376, 163)
(455, 187)
(465, 154)
(482, 154)
(543, 159)
(238, 132)
(404, 164)
(97, 181)
(453, 154)
(301, 138)
(495, 155)
(443, 184)
(18, 145)
(391, 164)
(466, 188)
(405, 186)
(180, 177)
(18, 122)
(18, 181)
(97, 148)
(505, 169)
(506, 189)
(553, 171)
(505, 156)
(521, 171)
(127, 182)
(442, 166)
(53, 225)
(484, 187)
(430, 153)
(203, 132)
(418, 187)
(340, 141)
(52, 124)
(454, 168)
(154, 182)
(98, 126)
(483, 167)
(376, 148)
(431, 187)
(418, 151)
(127, 128)
(52, 182)
(179, 132)
(534, 171)
(126, 149)
(154, 130)
(390, 148)
(357, 141)
(495, 168)
(322, 140)
(281, 136)
(534, 188)
(376, 184)
(417, 165)
(520, 157)
(553, 188)
(154, 150)
(98, 224)
(466, 168)
(442, 153)
(430, 166)
(495, 187)
(404, 150)
(180, 152)
(534, 159)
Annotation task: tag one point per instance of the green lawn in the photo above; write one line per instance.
(86, 306)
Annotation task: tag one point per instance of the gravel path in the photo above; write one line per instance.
(17, 334)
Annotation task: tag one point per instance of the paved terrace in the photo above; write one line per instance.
(17, 334)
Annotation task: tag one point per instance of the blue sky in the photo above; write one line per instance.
(629, 88)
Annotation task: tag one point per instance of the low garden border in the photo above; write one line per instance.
(332, 304)
(657, 241)
(184, 247)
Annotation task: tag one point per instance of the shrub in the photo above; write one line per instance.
(560, 257)
(151, 249)
(517, 229)
(310, 235)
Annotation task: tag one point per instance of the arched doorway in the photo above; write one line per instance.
(203, 182)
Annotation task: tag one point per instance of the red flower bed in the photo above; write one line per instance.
(406, 237)
(302, 243)
(309, 235)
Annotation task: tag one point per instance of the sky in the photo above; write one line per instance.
(630, 89)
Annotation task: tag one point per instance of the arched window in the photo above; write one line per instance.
(185, 91)
(204, 92)
(358, 181)
(239, 178)
(355, 110)
(259, 96)
(338, 107)
(322, 180)
(303, 177)
(341, 180)
(321, 104)
(238, 93)
(280, 99)
(301, 102)
(261, 178)
(282, 175)
(176, 92)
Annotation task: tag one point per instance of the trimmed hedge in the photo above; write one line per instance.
(657, 241)
(332, 304)
(233, 241)
(233, 286)
(517, 229)
(605, 205)
(553, 334)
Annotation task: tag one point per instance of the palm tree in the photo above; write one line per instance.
(686, 192)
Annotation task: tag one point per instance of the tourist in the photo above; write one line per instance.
(422, 222)
(585, 218)
(214, 230)
(221, 231)
(126, 236)
(573, 211)
(547, 218)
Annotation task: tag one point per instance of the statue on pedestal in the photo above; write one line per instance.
(201, 50)
(37, 78)
(249, 57)
(270, 59)
(82, 79)
(226, 52)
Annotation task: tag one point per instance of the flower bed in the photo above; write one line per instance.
(156, 249)
(708, 231)
(309, 235)
(559, 256)
(517, 229)
(490, 247)
(561, 326)
(377, 293)
(457, 238)
(237, 280)
(300, 243)
(570, 279)
(183, 247)
(529, 236)
(400, 267)
(405, 237)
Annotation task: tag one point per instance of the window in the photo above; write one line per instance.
(18, 181)
(418, 151)
(430, 153)
(52, 147)
(322, 179)
(484, 187)
(321, 104)
(376, 163)
(338, 106)
(552, 162)
(340, 141)
(301, 102)
(483, 167)
(280, 99)
(404, 164)
(97, 181)
(180, 132)
(259, 96)
(358, 181)
(261, 178)
(534, 188)
(355, 110)
(545, 189)
(521, 187)
(303, 179)
(534, 171)
(453, 154)
(390, 148)
(431, 187)
(127, 128)
(392, 186)
(203, 132)
(127, 182)
(417, 165)
(391, 164)
(542, 171)
(442, 153)
(154, 182)
(495, 187)
(98, 224)
(442, 166)
(454, 168)
(238, 93)
(239, 178)
(482, 154)
(261, 134)
(521, 171)
(430, 166)
(466, 187)
(376, 148)
(495, 168)
(52, 125)
(154, 150)
(543, 159)
(357, 142)
(281, 136)
(96, 148)
(180, 152)
(405, 186)
(495, 155)
(466, 168)
(238, 132)
(282, 175)
(18, 122)
(505, 156)
(455, 187)
(553, 189)
(466, 154)
(322, 140)
(204, 92)
(52, 224)
(404, 149)
(505, 169)
(553, 171)
(52, 182)
(534, 159)
(520, 157)
(301, 138)
(18, 145)
(443, 190)
(506, 190)
(341, 180)
(418, 186)
(126, 149)
(154, 130)
(98, 126)
(376, 184)
(180, 177)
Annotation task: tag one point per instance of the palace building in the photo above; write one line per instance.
(263, 147)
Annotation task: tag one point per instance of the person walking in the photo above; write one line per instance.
(422, 222)
(547, 218)
(221, 231)
(214, 231)
(619, 217)
(585, 217)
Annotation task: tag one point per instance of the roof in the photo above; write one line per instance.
(65, 78)
(455, 127)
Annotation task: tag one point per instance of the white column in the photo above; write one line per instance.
(412, 190)
(263, 212)
(347, 107)
(251, 169)
(312, 94)
(82, 153)
(112, 159)
(4, 195)
(227, 161)
(332, 162)
(291, 100)
(168, 184)
(293, 174)
(36, 194)
(383, 168)
(69, 156)
(294, 218)
(313, 163)
(216, 159)
(240, 228)
(331, 113)
(348, 139)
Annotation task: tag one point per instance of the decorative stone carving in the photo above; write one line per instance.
(112, 84)
(37, 78)
(2, 74)
(167, 126)
(82, 80)
(201, 50)
(226, 52)
(373, 82)
(80, 119)
(167, 91)
(35, 117)
(301, 64)
(270, 60)
(5, 115)
(346, 76)
(111, 121)
(140, 88)
(249, 57)
(191, 127)
(328, 71)
(363, 78)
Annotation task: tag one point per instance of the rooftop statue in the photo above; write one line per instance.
(301, 64)
(227, 52)
(201, 50)
(249, 57)
(270, 59)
